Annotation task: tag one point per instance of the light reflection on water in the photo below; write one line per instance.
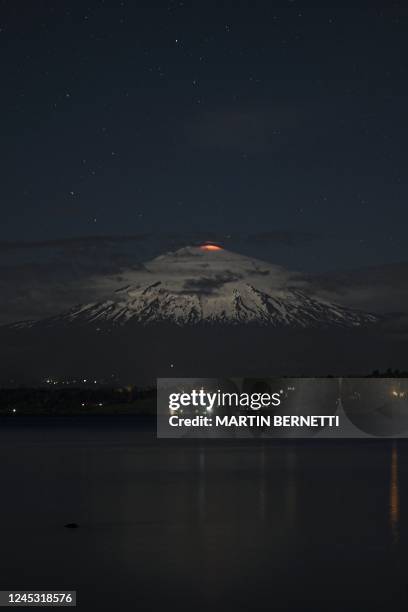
(394, 506)
(205, 526)
(290, 489)
(201, 485)
(262, 505)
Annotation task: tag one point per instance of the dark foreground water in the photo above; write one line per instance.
(185, 525)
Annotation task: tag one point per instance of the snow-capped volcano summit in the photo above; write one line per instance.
(210, 285)
(204, 311)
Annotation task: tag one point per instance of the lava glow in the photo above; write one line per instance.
(210, 247)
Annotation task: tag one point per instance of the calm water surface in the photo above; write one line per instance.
(190, 525)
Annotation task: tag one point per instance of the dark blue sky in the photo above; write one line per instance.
(208, 116)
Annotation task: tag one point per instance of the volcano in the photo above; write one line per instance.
(212, 286)
(201, 311)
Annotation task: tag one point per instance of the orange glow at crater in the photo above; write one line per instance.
(210, 247)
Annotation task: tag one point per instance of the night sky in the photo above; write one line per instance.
(273, 123)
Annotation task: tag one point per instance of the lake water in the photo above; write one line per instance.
(194, 525)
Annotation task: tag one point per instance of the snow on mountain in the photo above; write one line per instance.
(208, 284)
